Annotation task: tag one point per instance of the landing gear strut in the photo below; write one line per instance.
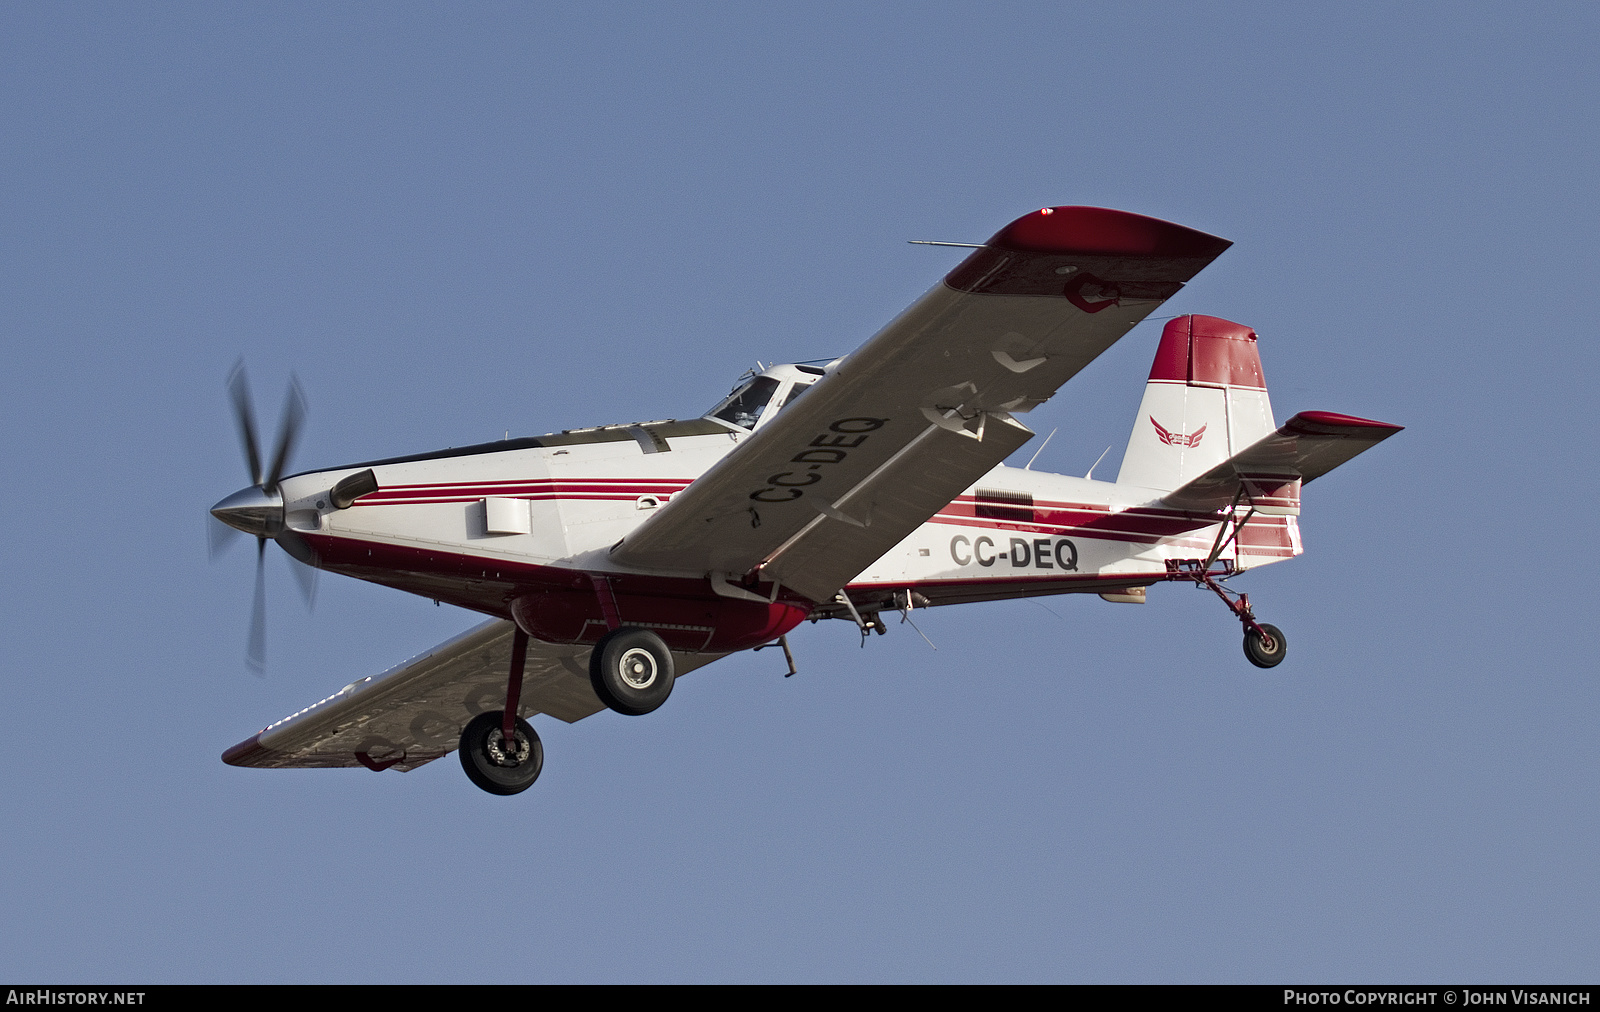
(499, 750)
(1264, 645)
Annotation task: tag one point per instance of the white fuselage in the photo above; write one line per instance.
(477, 526)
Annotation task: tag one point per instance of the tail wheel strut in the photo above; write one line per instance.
(1264, 645)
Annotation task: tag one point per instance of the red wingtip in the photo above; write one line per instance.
(242, 753)
(1100, 231)
(1330, 423)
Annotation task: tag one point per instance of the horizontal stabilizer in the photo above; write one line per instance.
(1270, 471)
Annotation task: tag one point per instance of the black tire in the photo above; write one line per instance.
(631, 670)
(487, 762)
(1265, 653)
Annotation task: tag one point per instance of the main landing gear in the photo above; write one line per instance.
(499, 750)
(1264, 645)
(631, 670)
(495, 763)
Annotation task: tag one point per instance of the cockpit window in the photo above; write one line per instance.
(744, 408)
(798, 389)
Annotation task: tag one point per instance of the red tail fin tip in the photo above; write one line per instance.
(1208, 350)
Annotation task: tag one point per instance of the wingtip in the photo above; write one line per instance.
(1332, 423)
(245, 752)
(1102, 231)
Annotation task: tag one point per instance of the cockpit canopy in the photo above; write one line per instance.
(761, 396)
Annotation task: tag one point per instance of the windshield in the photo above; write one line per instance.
(798, 389)
(745, 406)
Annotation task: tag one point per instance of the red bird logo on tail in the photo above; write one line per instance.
(1177, 438)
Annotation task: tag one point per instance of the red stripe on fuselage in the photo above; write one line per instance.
(543, 497)
(480, 488)
(536, 489)
(1136, 524)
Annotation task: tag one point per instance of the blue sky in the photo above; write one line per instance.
(451, 222)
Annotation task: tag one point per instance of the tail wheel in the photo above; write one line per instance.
(631, 670)
(495, 764)
(1265, 646)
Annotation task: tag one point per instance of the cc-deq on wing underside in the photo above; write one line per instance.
(910, 420)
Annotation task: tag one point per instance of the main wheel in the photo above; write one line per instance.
(494, 764)
(631, 670)
(1265, 651)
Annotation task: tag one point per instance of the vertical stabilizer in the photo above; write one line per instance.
(1206, 401)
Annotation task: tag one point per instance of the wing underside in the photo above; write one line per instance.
(414, 712)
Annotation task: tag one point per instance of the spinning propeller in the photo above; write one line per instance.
(259, 509)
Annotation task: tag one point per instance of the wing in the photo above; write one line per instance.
(414, 712)
(1272, 469)
(923, 409)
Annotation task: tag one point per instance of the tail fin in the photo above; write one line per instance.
(1206, 401)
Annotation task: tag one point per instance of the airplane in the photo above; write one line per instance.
(612, 560)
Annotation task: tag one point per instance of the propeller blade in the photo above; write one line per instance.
(244, 417)
(256, 653)
(294, 413)
(219, 537)
(303, 563)
(306, 578)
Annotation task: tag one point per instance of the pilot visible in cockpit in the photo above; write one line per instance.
(748, 404)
